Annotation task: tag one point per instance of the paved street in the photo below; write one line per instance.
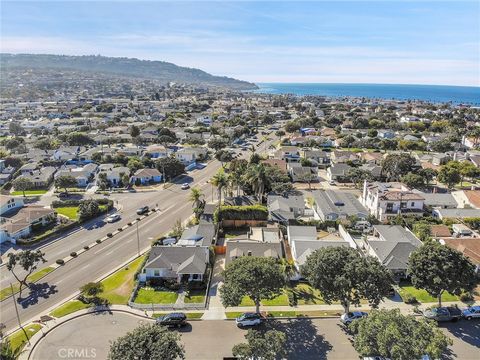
(307, 339)
(94, 264)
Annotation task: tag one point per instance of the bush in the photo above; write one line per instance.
(466, 296)
(292, 298)
(171, 284)
(250, 212)
(110, 235)
(409, 299)
(86, 247)
(129, 224)
(73, 254)
(196, 285)
(98, 241)
(60, 261)
(155, 282)
(120, 229)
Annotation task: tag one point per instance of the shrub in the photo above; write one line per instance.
(409, 299)
(109, 235)
(466, 296)
(60, 261)
(292, 298)
(171, 284)
(155, 282)
(98, 241)
(120, 229)
(86, 247)
(196, 285)
(129, 224)
(73, 254)
(250, 212)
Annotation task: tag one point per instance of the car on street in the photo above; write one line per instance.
(440, 314)
(142, 210)
(185, 186)
(172, 320)
(347, 318)
(472, 312)
(112, 218)
(331, 183)
(249, 319)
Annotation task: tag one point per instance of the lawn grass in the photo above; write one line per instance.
(70, 211)
(150, 296)
(5, 292)
(68, 308)
(306, 295)
(195, 296)
(29, 192)
(118, 286)
(422, 296)
(18, 339)
(280, 300)
(190, 316)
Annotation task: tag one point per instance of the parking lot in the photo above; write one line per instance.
(89, 337)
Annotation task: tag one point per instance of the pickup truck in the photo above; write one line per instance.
(449, 313)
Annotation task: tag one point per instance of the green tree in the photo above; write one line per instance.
(256, 176)
(170, 167)
(423, 231)
(449, 174)
(413, 181)
(22, 184)
(394, 166)
(15, 128)
(358, 176)
(44, 144)
(102, 181)
(79, 139)
(177, 229)
(165, 140)
(220, 181)
(342, 274)
(148, 342)
(390, 334)
(28, 260)
(269, 345)
(134, 131)
(467, 169)
(65, 182)
(428, 175)
(92, 290)
(260, 278)
(134, 164)
(195, 198)
(7, 352)
(438, 268)
(217, 144)
(223, 156)
(88, 209)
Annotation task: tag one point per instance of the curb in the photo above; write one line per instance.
(82, 250)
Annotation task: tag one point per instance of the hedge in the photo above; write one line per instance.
(249, 212)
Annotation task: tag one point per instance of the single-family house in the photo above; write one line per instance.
(338, 172)
(285, 207)
(334, 205)
(146, 176)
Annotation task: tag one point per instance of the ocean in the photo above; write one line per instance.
(432, 93)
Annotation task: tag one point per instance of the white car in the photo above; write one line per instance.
(112, 218)
(471, 312)
(185, 186)
(249, 319)
(349, 317)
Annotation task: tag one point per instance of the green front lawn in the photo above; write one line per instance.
(68, 308)
(29, 192)
(118, 286)
(71, 212)
(19, 338)
(151, 296)
(290, 314)
(422, 296)
(195, 296)
(190, 316)
(280, 300)
(306, 295)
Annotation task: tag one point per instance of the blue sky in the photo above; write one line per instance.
(417, 42)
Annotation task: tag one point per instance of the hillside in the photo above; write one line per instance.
(144, 69)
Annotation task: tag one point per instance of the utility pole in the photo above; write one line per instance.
(18, 315)
(138, 240)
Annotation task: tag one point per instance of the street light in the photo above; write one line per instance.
(138, 240)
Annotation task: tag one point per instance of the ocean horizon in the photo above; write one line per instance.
(432, 93)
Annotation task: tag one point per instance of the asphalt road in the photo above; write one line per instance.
(64, 282)
(306, 339)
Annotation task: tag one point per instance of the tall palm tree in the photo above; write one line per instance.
(257, 177)
(195, 196)
(220, 181)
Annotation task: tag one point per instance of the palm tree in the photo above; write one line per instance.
(195, 196)
(257, 177)
(219, 180)
(288, 268)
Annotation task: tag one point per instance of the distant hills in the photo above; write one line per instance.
(155, 70)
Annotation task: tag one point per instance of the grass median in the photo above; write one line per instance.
(20, 337)
(6, 292)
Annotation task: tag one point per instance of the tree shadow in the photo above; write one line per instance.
(37, 291)
(467, 331)
(303, 342)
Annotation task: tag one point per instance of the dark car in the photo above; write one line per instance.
(449, 313)
(142, 210)
(172, 320)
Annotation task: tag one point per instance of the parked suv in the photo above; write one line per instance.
(172, 320)
(472, 312)
(142, 210)
(439, 314)
(249, 319)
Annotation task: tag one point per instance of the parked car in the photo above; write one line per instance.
(185, 186)
(471, 312)
(349, 317)
(172, 320)
(249, 319)
(440, 314)
(331, 182)
(142, 210)
(112, 218)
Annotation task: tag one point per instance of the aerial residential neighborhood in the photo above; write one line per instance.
(312, 193)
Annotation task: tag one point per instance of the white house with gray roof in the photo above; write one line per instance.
(334, 205)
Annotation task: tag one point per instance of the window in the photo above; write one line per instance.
(412, 204)
(156, 272)
(249, 253)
